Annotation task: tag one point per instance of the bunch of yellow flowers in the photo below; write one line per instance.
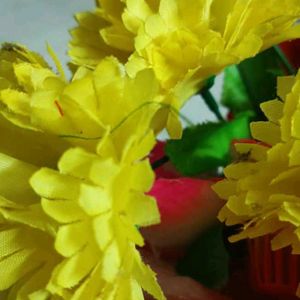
(74, 171)
(263, 192)
(70, 227)
(183, 41)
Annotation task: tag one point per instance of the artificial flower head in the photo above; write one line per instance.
(262, 187)
(24, 73)
(104, 188)
(11, 54)
(80, 111)
(27, 254)
(79, 241)
(88, 46)
(185, 42)
(98, 231)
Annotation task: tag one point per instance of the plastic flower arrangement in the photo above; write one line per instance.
(184, 42)
(262, 191)
(83, 151)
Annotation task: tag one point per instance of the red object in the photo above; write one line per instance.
(187, 206)
(244, 141)
(248, 141)
(230, 116)
(60, 110)
(292, 51)
(273, 272)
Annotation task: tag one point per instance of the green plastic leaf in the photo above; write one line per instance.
(234, 94)
(205, 147)
(207, 259)
(259, 75)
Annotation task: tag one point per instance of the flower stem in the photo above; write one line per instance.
(185, 119)
(211, 103)
(168, 106)
(285, 61)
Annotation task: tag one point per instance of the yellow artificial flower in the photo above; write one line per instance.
(27, 254)
(79, 111)
(88, 47)
(86, 225)
(183, 41)
(93, 200)
(263, 192)
(99, 202)
(25, 73)
(14, 53)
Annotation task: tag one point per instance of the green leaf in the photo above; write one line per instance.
(234, 94)
(259, 75)
(207, 259)
(205, 147)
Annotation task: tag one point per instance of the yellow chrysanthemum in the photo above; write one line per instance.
(184, 42)
(25, 73)
(88, 47)
(263, 192)
(94, 203)
(13, 53)
(99, 202)
(44, 101)
(27, 254)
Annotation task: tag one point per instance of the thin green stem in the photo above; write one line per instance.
(211, 103)
(79, 137)
(131, 114)
(284, 60)
(168, 106)
(185, 119)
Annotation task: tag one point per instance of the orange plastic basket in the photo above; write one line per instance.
(273, 272)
